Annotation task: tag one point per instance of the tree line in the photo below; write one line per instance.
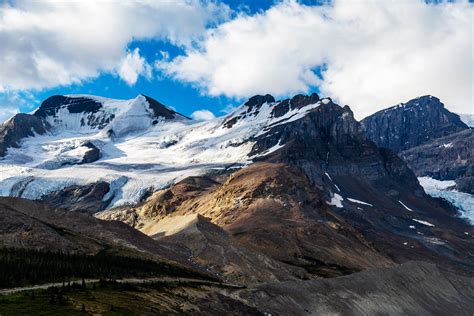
(20, 267)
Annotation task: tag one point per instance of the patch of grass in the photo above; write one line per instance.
(34, 303)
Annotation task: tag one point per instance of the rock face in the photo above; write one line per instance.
(410, 124)
(446, 158)
(91, 155)
(18, 127)
(53, 104)
(329, 140)
(86, 199)
(159, 109)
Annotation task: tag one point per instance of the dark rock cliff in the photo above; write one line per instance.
(410, 124)
(51, 105)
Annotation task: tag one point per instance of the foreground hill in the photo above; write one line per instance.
(29, 225)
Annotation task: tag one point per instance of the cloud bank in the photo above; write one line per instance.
(374, 54)
(49, 43)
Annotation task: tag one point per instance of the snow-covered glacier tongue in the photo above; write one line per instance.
(134, 146)
(464, 202)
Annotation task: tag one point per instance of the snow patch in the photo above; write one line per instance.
(359, 202)
(423, 222)
(406, 207)
(336, 200)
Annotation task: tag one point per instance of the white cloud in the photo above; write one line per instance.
(7, 112)
(376, 53)
(49, 43)
(132, 66)
(202, 115)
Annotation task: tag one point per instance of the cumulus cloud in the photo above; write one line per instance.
(132, 66)
(202, 115)
(49, 43)
(374, 53)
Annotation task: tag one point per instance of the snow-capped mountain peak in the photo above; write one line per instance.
(138, 145)
(85, 113)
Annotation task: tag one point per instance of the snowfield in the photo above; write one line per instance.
(139, 152)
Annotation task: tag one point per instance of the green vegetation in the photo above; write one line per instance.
(20, 267)
(105, 298)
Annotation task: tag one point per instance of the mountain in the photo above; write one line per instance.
(314, 172)
(139, 152)
(68, 133)
(433, 141)
(410, 124)
(276, 196)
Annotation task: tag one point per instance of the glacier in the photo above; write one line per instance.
(464, 202)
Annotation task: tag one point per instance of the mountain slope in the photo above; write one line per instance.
(18, 127)
(35, 225)
(413, 288)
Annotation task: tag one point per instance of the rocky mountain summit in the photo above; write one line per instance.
(413, 123)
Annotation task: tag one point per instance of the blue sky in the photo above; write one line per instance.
(199, 54)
